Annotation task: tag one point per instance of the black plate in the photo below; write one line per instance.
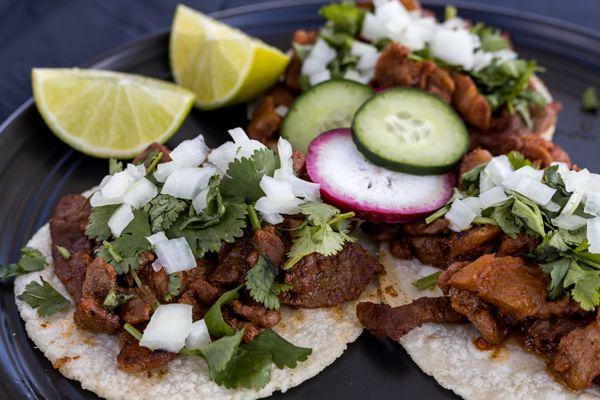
(36, 169)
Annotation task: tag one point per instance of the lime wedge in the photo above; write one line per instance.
(108, 114)
(220, 64)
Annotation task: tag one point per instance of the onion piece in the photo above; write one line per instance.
(485, 182)
(168, 328)
(367, 61)
(136, 171)
(140, 193)
(492, 197)
(593, 235)
(512, 181)
(498, 169)
(453, 46)
(185, 183)
(164, 170)
(279, 200)
(322, 51)
(312, 66)
(282, 110)
(98, 200)
(592, 204)
(569, 222)
(576, 180)
(372, 28)
(198, 336)
(474, 203)
(199, 202)
(535, 190)
(242, 146)
(120, 219)
(190, 153)
(552, 206)
(573, 202)
(319, 77)
(360, 49)
(175, 255)
(394, 14)
(460, 216)
(117, 185)
(157, 238)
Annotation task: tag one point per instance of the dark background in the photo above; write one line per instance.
(66, 33)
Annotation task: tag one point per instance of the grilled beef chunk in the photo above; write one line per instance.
(492, 330)
(469, 103)
(319, 281)
(100, 278)
(153, 147)
(198, 309)
(138, 309)
(543, 336)
(251, 330)
(395, 68)
(577, 360)
(257, 314)
(67, 228)
(91, 316)
(474, 159)
(421, 228)
(134, 359)
(468, 243)
(383, 320)
(233, 263)
(270, 244)
(380, 231)
(517, 290)
(523, 243)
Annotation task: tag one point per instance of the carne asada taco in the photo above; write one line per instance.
(195, 273)
(394, 43)
(496, 294)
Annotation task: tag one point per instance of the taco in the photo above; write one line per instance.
(502, 303)
(168, 281)
(470, 66)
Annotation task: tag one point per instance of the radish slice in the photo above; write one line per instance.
(352, 183)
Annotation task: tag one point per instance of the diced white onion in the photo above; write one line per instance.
(157, 238)
(117, 185)
(535, 190)
(199, 201)
(485, 182)
(569, 222)
(198, 336)
(592, 204)
(474, 203)
(164, 170)
(455, 23)
(281, 110)
(190, 153)
(372, 28)
(367, 61)
(593, 235)
(573, 202)
(492, 197)
(136, 171)
(361, 49)
(552, 207)
(498, 169)
(393, 12)
(319, 77)
(98, 200)
(576, 179)
(453, 46)
(242, 146)
(515, 178)
(175, 255)
(460, 216)
(168, 328)
(185, 183)
(279, 199)
(120, 219)
(322, 51)
(140, 193)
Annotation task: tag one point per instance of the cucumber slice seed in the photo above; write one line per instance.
(411, 131)
(328, 105)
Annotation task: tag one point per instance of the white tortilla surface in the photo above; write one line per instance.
(92, 358)
(447, 352)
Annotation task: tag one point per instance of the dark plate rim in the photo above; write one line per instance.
(524, 16)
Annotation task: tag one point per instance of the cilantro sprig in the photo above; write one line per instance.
(244, 174)
(31, 260)
(325, 231)
(261, 284)
(44, 298)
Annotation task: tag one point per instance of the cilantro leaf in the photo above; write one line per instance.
(327, 237)
(586, 286)
(470, 180)
(174, 286)
(260, 282)
(529, 213)
(345, 17)
(427, 282)
(164, 210)
(65, 254)
(44, 297)
(97, 227)
(214, 211)
(208, 239)
(551, 248)
(220, 352)
(518, 160)
(114, 166)
(505, 220)
(491, 38)
(251, 365)
(114, 300)
(31, 260)
(557, 271)
(124, 252)
(215, 323)
(244, 174)
(589, 99)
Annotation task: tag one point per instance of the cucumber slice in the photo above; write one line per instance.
(410, 131)
(326, 106)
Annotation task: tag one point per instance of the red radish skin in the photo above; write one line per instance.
(431, 192)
